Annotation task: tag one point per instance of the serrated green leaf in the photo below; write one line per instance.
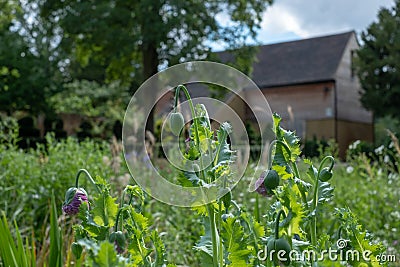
(281, 156)
(202, 209)
(139, 220)
(189, 179)
(160, 259)
(192, 153)
(307, 161)
(289, 197)
(358, 237)
(106, 257)
(105, 210)
(203, 129)
(325, 192)
(256, 228)
(282, 172)
(236, 243)
(312, 173)
(224, 153)
(204, 246)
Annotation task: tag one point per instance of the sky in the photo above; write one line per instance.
(289, 20)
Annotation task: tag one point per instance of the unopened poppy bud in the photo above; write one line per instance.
(118, 238)
(73, 200)
(176, 122)
(76, 250)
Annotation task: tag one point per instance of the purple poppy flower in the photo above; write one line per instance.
(73, 200)
(260, 186)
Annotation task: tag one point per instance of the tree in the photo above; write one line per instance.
(98, 105)
(27, 61)
(131, 40)
(378, 63)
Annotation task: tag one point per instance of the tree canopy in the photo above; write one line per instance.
(378, 63)
(131, 40)
(48, 46)
(126, 36)
(28, 65)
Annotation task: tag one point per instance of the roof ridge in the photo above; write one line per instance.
(308, 39)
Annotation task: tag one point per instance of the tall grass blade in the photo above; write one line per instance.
(55, 257)
(10, 254)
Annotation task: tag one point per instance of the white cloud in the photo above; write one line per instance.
(278, 20)
(291, 19)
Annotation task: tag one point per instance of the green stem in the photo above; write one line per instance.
(314, 219)
(236, 206)
(315, 199)
(130, 200)
(186, 92)
(211, 214)
(210, 208)
(219, 148)
(277, 223)
(121, 204)
(88, 176)
(221, 258)
(117, 220)
(257, 209)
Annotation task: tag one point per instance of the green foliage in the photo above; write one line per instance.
(377, 63)
(381, 127)
(56, 249)
(91, 99)
(232, 241)
(364, 197)
(31, 176)
(9, 10)
(14, 253)
(28, 63)
(98, 231)
(18, 253)
(375, 181)
(305, 200)
(106, 257)
(236, 243)
(359, 239)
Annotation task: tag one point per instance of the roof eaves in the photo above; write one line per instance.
(270, 86)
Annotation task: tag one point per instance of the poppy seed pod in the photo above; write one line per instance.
(325, 175)
(176, 122)
(73, 200)
(279, 249)
(272, 180)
